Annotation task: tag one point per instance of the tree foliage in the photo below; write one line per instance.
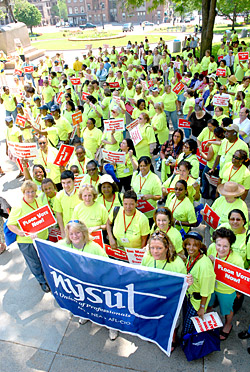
(63, 12)
(27, 13)
(232, 8)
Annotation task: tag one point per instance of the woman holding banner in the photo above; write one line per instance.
(27, 205)
(224, 239)
(201, 269)
(162, 255)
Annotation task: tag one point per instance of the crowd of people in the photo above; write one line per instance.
(174, 171)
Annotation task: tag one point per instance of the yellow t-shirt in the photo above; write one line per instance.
(66, 204)
(91, 140)
(241, 175)
(183, 210)
(90, 247)
(148, 137)
(139, 227)
(93, 215)
(52, 170)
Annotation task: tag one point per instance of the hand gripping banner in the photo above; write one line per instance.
(132, 299)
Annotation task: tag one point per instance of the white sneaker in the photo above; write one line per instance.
(82, 321)
(113, 334)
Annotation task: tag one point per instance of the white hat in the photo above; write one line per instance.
(106, 178)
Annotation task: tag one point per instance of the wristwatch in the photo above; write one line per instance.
(203, 306)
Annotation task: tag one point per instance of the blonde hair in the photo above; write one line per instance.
(28, 184)
(80, 227)
(159, 106)
(89, 188)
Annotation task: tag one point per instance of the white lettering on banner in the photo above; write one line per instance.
(94, 293)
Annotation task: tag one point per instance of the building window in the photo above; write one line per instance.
(81, 1)
(123, 15)
(82, 9)
(104, 17)
(70, 10)
(90, 18)
(89, 7)
(158, 14)
(76, 9)
(69, 1)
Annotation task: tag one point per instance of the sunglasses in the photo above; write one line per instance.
(91, 170)
(42, 143)
(236, 157)
(72, 221)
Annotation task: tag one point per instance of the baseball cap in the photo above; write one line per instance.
(43, 107)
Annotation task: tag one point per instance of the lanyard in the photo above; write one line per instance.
(174, 207)
(191, 265)
(226, 257)
(44, 160)
(231, 176)
(31, 205)
(163, 265)
(126, 227)
(94, 181)
(141, 185)
(111, 204)
(226, 151)
(81, 165)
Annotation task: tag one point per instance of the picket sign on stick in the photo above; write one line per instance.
(78, 180)
(243, 56)
(178, 87)
(76, 118)
(132, 125)
(220, 100)
(212, 180)
(23, 150)
(135, 135)
(183, 123)
(37, 221)
(75, 81)
(98, 237)
(114, 124)
(20, 121)
(114, 84)
(114, 156)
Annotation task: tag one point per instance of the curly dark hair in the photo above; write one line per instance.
(223, 232)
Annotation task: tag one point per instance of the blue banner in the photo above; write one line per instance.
(132, 299)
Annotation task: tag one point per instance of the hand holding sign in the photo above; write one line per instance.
(211, 218)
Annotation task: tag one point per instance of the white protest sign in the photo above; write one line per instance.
(135, 135)
(114, 124)
(209, 321)
(114, 156)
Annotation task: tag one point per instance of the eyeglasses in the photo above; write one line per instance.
(72, 221)
(236, 157)
(91, 170)
(235, 219)
(42, 143)
(140, 118)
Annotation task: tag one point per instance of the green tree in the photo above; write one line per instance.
(27, 13)
(208, 16)
(232, 8)
(63, 12)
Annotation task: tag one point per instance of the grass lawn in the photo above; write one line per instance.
(64, 44)
(219, 29)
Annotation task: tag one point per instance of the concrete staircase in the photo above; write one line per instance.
(30, 52)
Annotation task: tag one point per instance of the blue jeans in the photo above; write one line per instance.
(30, 255)
(187, 132)
(173, 116)
(30, 77)
(11, 113)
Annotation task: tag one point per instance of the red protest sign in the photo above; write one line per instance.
(220, 58)
(221, 72)
(210, 217)
(178, 87)
(170, 189)
(54, 234)
(115, 84)
(135, 135)
(209, 321)
(183, 123)
(37, 221)
(78, 180)
(117, 254)
(144, 206)
(114, 124)
(220, 100)
(164, 66)
(75, 81)
(205, 147)
(98, 237)
(212, 179)
(77, 118)
(132, 125)
(85, 95)
(18, 72)
(114, 156)
(232, 275)
(200, 158)
(243, 56)
(59, 98)
(28, 69)
(20, 121)
(64, 155)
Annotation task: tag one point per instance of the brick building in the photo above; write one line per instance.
(45, 7)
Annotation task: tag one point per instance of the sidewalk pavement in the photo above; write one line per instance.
(37, 336)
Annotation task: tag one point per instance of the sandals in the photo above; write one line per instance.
(224, 334)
